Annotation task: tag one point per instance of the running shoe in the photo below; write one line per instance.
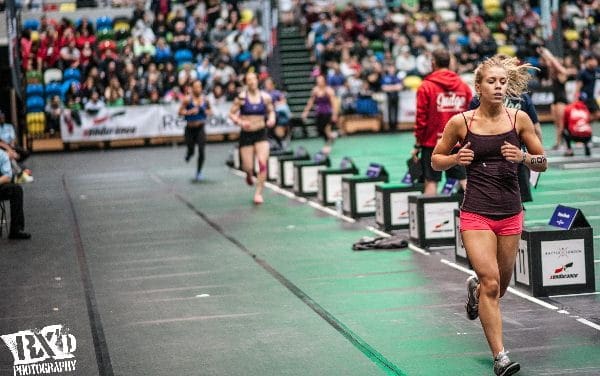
(258, 199)
(503, 366)
(199, 177)
(472, 303)
(249, 179)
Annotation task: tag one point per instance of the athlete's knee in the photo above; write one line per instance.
(490, 287)
(262, 167)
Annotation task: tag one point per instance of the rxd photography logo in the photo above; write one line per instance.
(42, 352)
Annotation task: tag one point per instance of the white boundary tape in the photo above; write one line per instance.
(416, 249)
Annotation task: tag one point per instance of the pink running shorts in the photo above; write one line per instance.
(507, 226)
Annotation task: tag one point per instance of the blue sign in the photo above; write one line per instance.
(319, 157)
(449, 186)
(563, 217)
(346, 163)
(407, 179)
(374, 170)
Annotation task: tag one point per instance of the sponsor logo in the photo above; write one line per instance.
(104, 131)
(442, 227)
(450, 102)
(561, 272)
(42, 352)
(563, 215)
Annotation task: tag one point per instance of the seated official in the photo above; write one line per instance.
(14, 194)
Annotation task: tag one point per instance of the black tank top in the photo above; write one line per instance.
(492, 183)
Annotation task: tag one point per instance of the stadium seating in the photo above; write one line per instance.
(35, 104)
(52, 75)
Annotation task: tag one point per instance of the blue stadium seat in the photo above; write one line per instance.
(463, 40)
(183, 56)
(35, 104)
(31, 24)
(64, 87)
(366, 106)
(52, 89)
(104, 22)
(72, 74)
(162, 56)
(34, 90)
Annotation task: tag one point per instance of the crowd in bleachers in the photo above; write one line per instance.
(150, 57)
(352, 44)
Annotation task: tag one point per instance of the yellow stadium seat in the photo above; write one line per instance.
(500, 38)
(412, 82)
(67, 7)
(507, 49)
(490, 6)
(246, 16)
(571, 35)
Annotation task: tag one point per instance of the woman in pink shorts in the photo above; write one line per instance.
(491, 214)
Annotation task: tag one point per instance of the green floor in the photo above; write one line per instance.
(192, 279)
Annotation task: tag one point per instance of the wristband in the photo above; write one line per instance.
(524, 157)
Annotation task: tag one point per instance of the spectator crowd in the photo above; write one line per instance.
(150, 57)
(355, 45)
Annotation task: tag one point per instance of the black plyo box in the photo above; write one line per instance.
(358, 195)
(554, 261)
(306, 177)
(285, 177)
(431, 220)
(330, 184)
(391, 211)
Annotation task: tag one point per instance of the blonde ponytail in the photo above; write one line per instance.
(518, 74)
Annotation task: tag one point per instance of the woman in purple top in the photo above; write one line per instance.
(491, 217)
(253, 111)
(322, 97)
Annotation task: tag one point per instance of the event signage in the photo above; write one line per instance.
(128, 122)
(566, 217)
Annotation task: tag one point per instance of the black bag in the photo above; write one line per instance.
(390, 242)
(415, 170)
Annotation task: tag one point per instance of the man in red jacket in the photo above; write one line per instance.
(442, 95)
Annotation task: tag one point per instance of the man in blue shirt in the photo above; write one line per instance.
(586, 83)
(14, 194)
(391, 85)
(8, 141)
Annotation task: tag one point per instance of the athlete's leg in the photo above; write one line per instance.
(262, 153)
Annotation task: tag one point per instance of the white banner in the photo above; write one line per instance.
(128, 122)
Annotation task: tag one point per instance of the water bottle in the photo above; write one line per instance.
(338, 206)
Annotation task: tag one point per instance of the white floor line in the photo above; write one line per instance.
(378, 232)
(572, 204)
(574, 295)
(510, 289)
(589, 323)
(418, 250)
(457, 267)
(573, 166)
(532, 299)
(414, 247)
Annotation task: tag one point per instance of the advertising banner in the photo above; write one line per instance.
(128, 122)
